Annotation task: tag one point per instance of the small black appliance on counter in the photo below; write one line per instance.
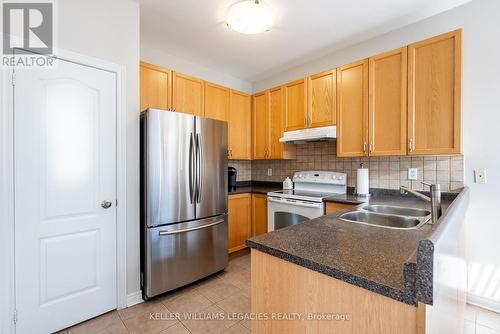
(231, 178)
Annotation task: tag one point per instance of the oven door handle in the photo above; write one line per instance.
(296, 203)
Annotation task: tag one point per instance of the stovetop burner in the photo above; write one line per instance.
(314, 186)
(304, 193)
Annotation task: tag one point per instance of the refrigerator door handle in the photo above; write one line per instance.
(200, 168)
(197, 168)
(192, 161)
(162, 233)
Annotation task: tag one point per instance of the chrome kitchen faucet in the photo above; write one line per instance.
(435, 199)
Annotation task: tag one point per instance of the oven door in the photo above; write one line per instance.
(284, 212)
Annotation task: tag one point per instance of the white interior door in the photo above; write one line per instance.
(65, 240)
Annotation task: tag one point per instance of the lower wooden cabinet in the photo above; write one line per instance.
(332, 207)
(247, 217)
(239, 221)
(259, 214)
(282, 287)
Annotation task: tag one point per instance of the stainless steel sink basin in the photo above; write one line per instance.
(382, 220)
(397, 210)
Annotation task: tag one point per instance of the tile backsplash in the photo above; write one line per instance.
(244, 169)
(385, 172)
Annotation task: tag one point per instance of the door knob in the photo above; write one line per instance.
(106, 204)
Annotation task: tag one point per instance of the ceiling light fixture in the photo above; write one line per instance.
(250, 17)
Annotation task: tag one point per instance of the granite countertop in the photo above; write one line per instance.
(256, 187)
(385, 261)
(388, 195)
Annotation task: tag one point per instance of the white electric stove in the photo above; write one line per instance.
(305, 201)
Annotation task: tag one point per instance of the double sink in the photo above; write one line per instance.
(388, 216)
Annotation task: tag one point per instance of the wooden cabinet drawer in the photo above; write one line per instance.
(332, 207)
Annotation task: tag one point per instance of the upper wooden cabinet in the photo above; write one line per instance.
(311, 102)
(216, 101)
(322, 99)
(155, 86)
(239, 127)
(188, 94)
(295, 95)
(435, 95)
(276, 122)
(260, 125)
(352, 109)
(267, 126)
(387, 103)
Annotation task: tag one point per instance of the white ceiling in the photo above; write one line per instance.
(195, 30)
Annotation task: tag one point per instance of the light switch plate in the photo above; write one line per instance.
(480, 176)
(269, 172)
(412, 173)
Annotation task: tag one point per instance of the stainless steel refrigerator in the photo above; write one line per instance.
(183, 199)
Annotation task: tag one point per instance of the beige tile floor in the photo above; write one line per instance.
(223, 294)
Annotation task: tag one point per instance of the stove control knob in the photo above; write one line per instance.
(334, 177)
(341, 178)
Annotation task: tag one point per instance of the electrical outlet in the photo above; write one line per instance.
(269, 172)
(480, 176)
(412, 173)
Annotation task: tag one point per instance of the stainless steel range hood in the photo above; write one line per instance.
(326, 133)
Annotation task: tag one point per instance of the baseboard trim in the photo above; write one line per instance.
(487, 303)
(134, 298)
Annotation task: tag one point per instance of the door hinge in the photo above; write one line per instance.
(116, 202)
(15, 317)
(142, 280)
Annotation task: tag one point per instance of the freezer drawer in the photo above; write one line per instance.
(179, 254)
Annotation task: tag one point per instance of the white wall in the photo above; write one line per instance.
(157, 56)
(109, 30)
(481, 110)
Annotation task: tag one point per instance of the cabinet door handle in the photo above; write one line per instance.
(370, 147)
(364, 147)
(410, 145)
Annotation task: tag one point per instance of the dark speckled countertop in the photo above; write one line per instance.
(256, 187)
(385, 261)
